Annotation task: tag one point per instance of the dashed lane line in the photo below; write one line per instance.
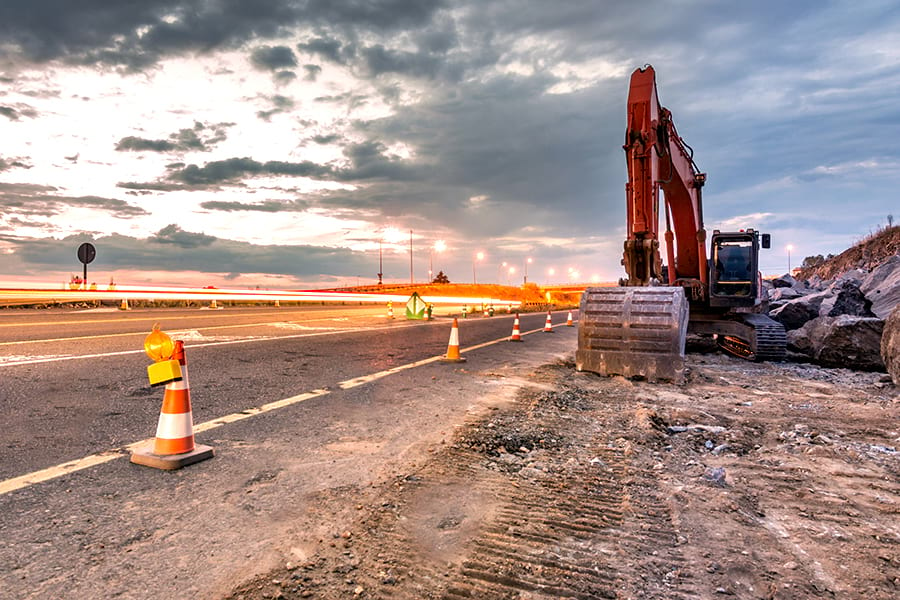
(29, 479)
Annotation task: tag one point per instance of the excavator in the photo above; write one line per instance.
(639, 329)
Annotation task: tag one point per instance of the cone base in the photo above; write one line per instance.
(549, 331)
(145, 456)
(516, 340)
(454, 360)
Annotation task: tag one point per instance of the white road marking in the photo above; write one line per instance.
(92, 460)
(112, 335)
(214, 341)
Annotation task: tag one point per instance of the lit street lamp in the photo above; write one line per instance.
(509, 274)
(439, 246)
(479, 256)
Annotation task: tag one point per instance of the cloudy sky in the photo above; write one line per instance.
(275, 143)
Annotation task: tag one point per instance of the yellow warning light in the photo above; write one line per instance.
(158, 345)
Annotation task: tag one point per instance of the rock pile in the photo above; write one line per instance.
(840, 322)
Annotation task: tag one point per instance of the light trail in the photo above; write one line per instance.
(50, 295)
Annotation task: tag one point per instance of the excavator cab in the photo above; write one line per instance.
(734, 265)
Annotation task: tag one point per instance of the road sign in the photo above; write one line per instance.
(86, 253)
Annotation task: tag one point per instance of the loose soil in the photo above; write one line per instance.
(748, 481)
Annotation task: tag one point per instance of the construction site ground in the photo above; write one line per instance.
(748, 481)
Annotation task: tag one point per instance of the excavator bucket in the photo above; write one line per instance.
(633, 331)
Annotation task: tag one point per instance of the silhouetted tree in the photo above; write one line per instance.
(440, 278)
(812, 261)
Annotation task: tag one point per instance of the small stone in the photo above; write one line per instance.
(358, 590)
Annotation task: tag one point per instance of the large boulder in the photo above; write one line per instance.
(882, 287)
(890, 345)
(847, 341)
(783, 293)
(842, 297)
(793, 314)
(785, 281)
(846, 298)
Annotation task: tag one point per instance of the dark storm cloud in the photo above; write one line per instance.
(326, 139)
(189, 251)
(13, 163)
(232, 169)
(136, 34)
(173, 234)
(280, 104)
(284, 77)
(21, 110)
(41, 201)
(200, 137)
(271, 206)
(312, 72)
(330, 49)
(273, 58)
(379, 60)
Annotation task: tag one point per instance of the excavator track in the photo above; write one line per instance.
(767, 340)
(633, 332)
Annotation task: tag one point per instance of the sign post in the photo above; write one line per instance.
(86, 253)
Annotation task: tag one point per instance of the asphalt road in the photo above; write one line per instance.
(73, 384)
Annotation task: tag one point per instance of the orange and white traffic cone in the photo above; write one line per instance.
(390, 310)
(548, 326)
(277, 304)
(453, 346)
(516, 334)
(174, 445)
(213, 305)
(124, 305)
(569, 322)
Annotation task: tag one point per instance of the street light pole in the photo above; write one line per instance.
(525, 279)
(789, 248)
(380, 262)
(410, 258)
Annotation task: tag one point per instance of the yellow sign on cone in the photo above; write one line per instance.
(160, 348)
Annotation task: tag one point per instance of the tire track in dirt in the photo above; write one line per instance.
(540, 501)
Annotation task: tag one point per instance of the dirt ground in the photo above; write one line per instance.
(748, 481)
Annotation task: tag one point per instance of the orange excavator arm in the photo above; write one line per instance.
(658, 158)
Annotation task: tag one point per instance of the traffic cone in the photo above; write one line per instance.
(548, 326)
(124, 305)
(213, 305)
(485, 311)
(174, 445)
(277, 304)
(390, 310)
(516, 335)
(453, 346)
(569, 322)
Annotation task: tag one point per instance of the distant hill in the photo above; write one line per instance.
(867, 255)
